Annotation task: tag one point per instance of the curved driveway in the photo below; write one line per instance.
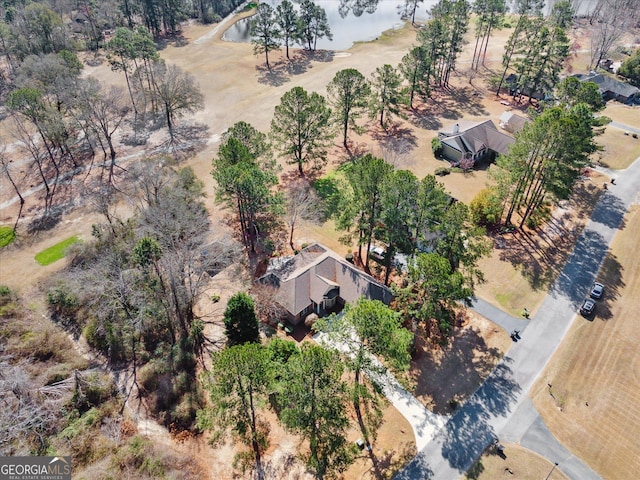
(501, 406)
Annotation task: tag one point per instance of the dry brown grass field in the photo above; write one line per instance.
(595, 373)
(620, 150)
(518, 464)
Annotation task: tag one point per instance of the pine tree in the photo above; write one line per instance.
(240, 320)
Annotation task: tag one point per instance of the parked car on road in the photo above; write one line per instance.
(597, 290)
(588, 307)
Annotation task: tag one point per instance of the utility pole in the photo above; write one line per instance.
(552, 469)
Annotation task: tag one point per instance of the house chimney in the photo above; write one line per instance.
(456, 128)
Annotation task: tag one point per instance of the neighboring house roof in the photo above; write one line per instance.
(607, 84)
(512, 122)
(472, 137)
(314, 273)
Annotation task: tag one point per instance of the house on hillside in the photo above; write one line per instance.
(473, 141)
(317, 280)
(512, 122)
(610, 88)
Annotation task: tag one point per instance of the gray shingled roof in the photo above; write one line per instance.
(608, 84)
(473, 136)
(315, 271)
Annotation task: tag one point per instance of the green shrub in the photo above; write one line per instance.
(281, 350)
(9, 304)
(442, 171)
(95, 338)
(62, 301)
(44, 344)
(485, 208)
(7, 235)
(95, 389)
(57, 373)
(436, 147)
(183, 414)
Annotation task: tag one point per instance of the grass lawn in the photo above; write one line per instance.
(620, 150)
(523, 265)
(7, 235)
(518, 464)
(594, 373)
(625, 114)
(55, 252)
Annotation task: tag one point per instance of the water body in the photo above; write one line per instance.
(350, 20)
(361, 20)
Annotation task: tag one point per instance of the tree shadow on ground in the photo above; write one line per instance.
(275, 76)
(610, 212)
(176, 39)
(575, 279)
(391, 461)
(395, 138)
(187, 140)
(46, 221)
(275, 468)
(540, 254)
(611, 276)
(324, 56)
(451, 104)
(299, 63)
(467, 435)
(537, 256)
(459, 368)
(423, 117)
(417, 468)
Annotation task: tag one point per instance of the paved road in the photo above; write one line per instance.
(494, 408)
(527, 428)
(628, 128)
(498, 316)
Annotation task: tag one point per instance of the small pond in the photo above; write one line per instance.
(358, 20)
(350, 20)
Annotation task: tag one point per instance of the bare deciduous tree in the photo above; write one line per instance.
(265, 298)
(176, 92)
(610, 20)
(301, 203)
(22, 409)
(4, 164)
(103, 111)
